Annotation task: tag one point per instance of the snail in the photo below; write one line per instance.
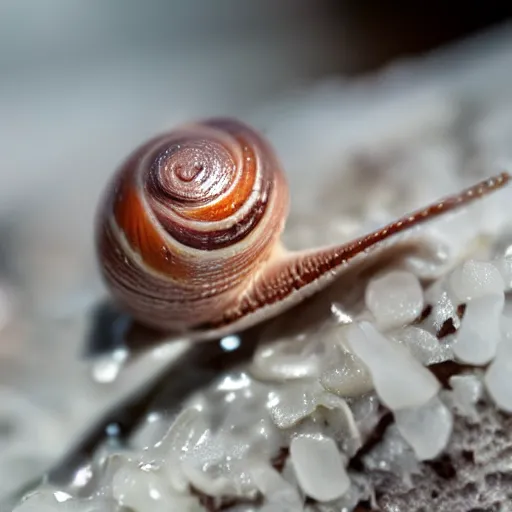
(188, 232)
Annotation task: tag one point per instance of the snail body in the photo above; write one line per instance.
(188, 232)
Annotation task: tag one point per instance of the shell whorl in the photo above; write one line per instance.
(208, 186)
(187, 220)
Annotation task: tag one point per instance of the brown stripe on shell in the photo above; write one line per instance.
(241, 226)
(219, 239)
(298, 272)
(153, 300)
(143, 236)
(257, 164)
(163, 302)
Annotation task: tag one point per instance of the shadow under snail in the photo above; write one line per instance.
(188, 233)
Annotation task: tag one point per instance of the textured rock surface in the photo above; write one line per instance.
(474, 472)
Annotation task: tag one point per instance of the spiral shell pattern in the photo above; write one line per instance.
(188, 218)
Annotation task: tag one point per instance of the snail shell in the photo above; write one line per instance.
(188, 232)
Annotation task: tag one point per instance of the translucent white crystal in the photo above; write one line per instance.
(212, 440)
(294, 402)
(276, 490)
(285, 360)
(367, 413)
(434, 259)
(217, 465)
(443, 307)
(480, 330)
(210, 484)
(467, 390)
(399, 379)
(504, 266)
(345, 374)
(222, 450)
(393, 454)
(151, 430)
(319, 467)
(498, 376)
(147, 491)
(339, 422)
(423, 345)
(360, 490)
(394, 299)
(291, 404)
(426, 428)
(183, 438)
(475, 279)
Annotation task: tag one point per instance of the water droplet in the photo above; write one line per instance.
(107, 368)
(153, 416)
(230, 343)
(113, 430)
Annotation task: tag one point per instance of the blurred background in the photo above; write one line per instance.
(82, 83)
